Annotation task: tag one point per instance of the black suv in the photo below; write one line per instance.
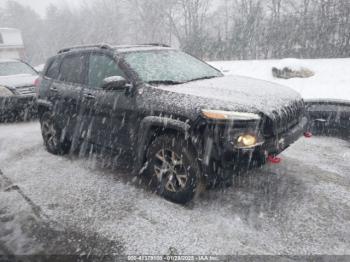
(177, 118)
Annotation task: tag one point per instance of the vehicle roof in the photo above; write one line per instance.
(118, 48)
(2, 29)
(9, 60)
(135, 48)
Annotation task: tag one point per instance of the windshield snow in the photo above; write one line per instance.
(169, 67)
(15, 68)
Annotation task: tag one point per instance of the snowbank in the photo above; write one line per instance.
(331, 79)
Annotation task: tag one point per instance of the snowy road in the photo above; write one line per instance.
(79, 205)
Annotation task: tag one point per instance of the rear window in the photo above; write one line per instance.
(53, 69)
(16, 68)
(72, 69)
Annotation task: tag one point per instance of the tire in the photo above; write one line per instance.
(173, 168)
(54, 141)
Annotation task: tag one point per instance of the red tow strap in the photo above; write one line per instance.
(308, 134)
(274, 159)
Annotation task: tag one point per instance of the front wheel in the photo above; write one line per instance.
(172, 164)
(54, 141)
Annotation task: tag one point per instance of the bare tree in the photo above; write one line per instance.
(236, 29)
(151, 22)
(188, 19)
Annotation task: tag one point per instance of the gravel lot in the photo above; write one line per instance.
(80, 205)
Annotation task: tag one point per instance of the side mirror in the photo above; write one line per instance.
(114, 83)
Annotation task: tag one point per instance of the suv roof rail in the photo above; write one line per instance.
(101, 46)
(158, 44)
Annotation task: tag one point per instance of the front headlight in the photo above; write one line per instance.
(4, 91)
(229, 115)
(248, 140)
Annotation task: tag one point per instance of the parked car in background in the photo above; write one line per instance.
(179, 119)
(329, 117)
(11, 44)
(17, 90)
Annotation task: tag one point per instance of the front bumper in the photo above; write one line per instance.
(272, 145)
(226, 160)
(18, 105)
(276, 145)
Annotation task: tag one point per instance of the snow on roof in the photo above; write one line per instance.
(330, 82)
(10, 38)
(8, 60)
(9, 29)
(118, 48)
(134, 48)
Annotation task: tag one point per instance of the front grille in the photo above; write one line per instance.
(284, 119)
(26, 90)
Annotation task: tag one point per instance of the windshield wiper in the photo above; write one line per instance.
(164, 82)
(171, 82)
(201, 78)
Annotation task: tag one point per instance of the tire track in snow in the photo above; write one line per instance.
(13, 187)
(30, 231)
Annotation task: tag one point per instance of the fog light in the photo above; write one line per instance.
(247, 140)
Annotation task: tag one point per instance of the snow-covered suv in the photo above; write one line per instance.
(178, 119)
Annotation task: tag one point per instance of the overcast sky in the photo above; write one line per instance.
(40, 5)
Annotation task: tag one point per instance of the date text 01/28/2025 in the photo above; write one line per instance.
(172, 258)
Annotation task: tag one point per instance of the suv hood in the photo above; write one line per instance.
(234, 93)
(15, 81)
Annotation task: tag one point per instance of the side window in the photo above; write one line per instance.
(72, 69)
(101, 67)
(53, 69)
(1, 39)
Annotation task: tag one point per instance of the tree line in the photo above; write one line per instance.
(212, 30)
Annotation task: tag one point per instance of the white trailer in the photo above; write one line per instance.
(11, 44)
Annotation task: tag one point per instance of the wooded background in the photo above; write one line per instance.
(212, 30)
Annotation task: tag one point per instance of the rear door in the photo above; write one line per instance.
(69, 86)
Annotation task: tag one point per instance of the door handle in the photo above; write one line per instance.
(89, 96)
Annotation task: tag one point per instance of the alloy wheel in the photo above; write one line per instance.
(50, 134)
(169, 168)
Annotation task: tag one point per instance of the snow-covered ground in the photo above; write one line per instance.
(331, 78)
(301, 206)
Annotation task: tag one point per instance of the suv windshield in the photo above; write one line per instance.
(169, 67)
(15, 68)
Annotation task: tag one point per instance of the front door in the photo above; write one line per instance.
(106, 110)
